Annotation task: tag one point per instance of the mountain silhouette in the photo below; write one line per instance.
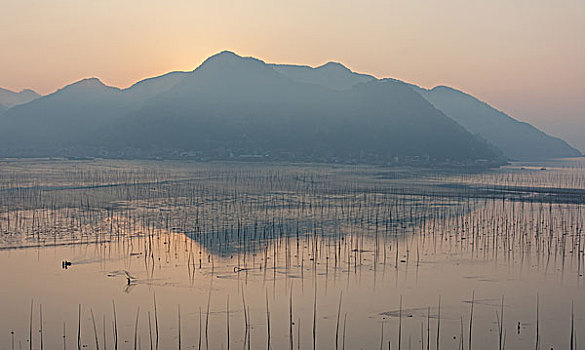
(10, 98)
(233, 107)
(517, 140)
(65, 118)
(332, 75)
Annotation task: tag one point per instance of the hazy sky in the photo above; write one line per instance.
(525, 57)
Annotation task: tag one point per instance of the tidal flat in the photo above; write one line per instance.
(219, 255)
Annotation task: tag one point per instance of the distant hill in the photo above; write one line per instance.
(332, 75)
(150, 87)
(10, 98)
(241, 107)
(68, 118)
(570, 130)
(83, 117)
(518, 140)
(235, 107)
(75, 118)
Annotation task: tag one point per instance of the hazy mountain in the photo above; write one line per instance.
(10, 98)
(518, 140)
(332, 75)
(150, 87)
(69, 117)
(237, 106)
(3, 108)
(570, 130)
(231, 107)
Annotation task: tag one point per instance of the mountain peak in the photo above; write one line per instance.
(9, 98)
(226, 57)
(226, 53)
(445, 88)
(331, 65)
(84, 86)
(28, 91)
(87, 83)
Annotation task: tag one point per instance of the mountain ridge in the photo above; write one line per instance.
(9, 98)
(262, 99)
(251, 95)
(517, 139)
(533, 144)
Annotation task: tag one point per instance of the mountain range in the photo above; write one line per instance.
(517, 140)
(10, 98)
(241, 107)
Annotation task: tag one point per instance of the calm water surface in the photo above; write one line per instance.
(356, 257)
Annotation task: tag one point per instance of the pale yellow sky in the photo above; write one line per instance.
(523, 56)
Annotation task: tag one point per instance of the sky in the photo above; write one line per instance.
(525, 57)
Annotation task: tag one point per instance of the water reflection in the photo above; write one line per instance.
(331, 257)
